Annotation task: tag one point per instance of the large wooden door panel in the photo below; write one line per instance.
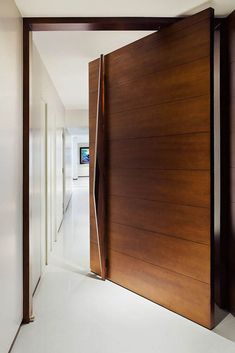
(159, 166)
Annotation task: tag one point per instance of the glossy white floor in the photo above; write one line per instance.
(76, 312)
(73, 246)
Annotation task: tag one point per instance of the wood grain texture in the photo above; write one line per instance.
(158, 112)
(162, 251)
(100, 171)
(185, 187)
(92, 115)
(186, 222)
(102, 23)
(189, 116)
(177, 83)
(159, 166)
(189, 297)
(190, 47)
(93, 96)
(93, 75)
(97, 23)
(187, 152)
(94, 256)
(107, 23)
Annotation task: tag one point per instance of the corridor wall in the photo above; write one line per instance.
(11, 173)
(68, 170)
(47, 116)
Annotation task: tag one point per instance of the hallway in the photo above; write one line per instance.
(73, 244)
(76, 312)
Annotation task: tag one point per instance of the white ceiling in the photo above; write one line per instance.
(119, 7)
(66, 56)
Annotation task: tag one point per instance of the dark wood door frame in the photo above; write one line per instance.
(63, 24)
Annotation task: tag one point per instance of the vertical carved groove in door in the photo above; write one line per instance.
(99, 171)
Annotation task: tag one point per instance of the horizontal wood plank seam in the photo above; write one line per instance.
(168, 68)
(159, 136)
(176, 100)
(161, 267)
(160, 233)
(159, 201)
(166, 36)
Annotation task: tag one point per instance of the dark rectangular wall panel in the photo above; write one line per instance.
(231, 46)
(160, 166)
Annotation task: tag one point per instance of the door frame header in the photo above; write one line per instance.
(101, 23)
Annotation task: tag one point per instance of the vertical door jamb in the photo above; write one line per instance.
(27, 300)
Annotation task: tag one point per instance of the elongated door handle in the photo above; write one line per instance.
(99, 171)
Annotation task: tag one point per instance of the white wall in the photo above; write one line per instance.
(77, 122)
(59, 177)
(79, 169)
(43, 93)
(77, 118)
(68, 171)
(11, 173)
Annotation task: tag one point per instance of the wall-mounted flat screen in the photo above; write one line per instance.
(84, 155)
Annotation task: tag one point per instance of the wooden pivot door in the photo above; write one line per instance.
(158, 133)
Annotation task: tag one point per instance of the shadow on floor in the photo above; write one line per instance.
(226, 328)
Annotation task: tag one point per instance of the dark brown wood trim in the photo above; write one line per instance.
(225, 162)
(228, 167)
(98, 23)
(220, 243)
(26, 246)
(212, 165)
(101, 23)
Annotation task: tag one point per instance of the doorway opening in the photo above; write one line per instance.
(56, 224)
(59, 153)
